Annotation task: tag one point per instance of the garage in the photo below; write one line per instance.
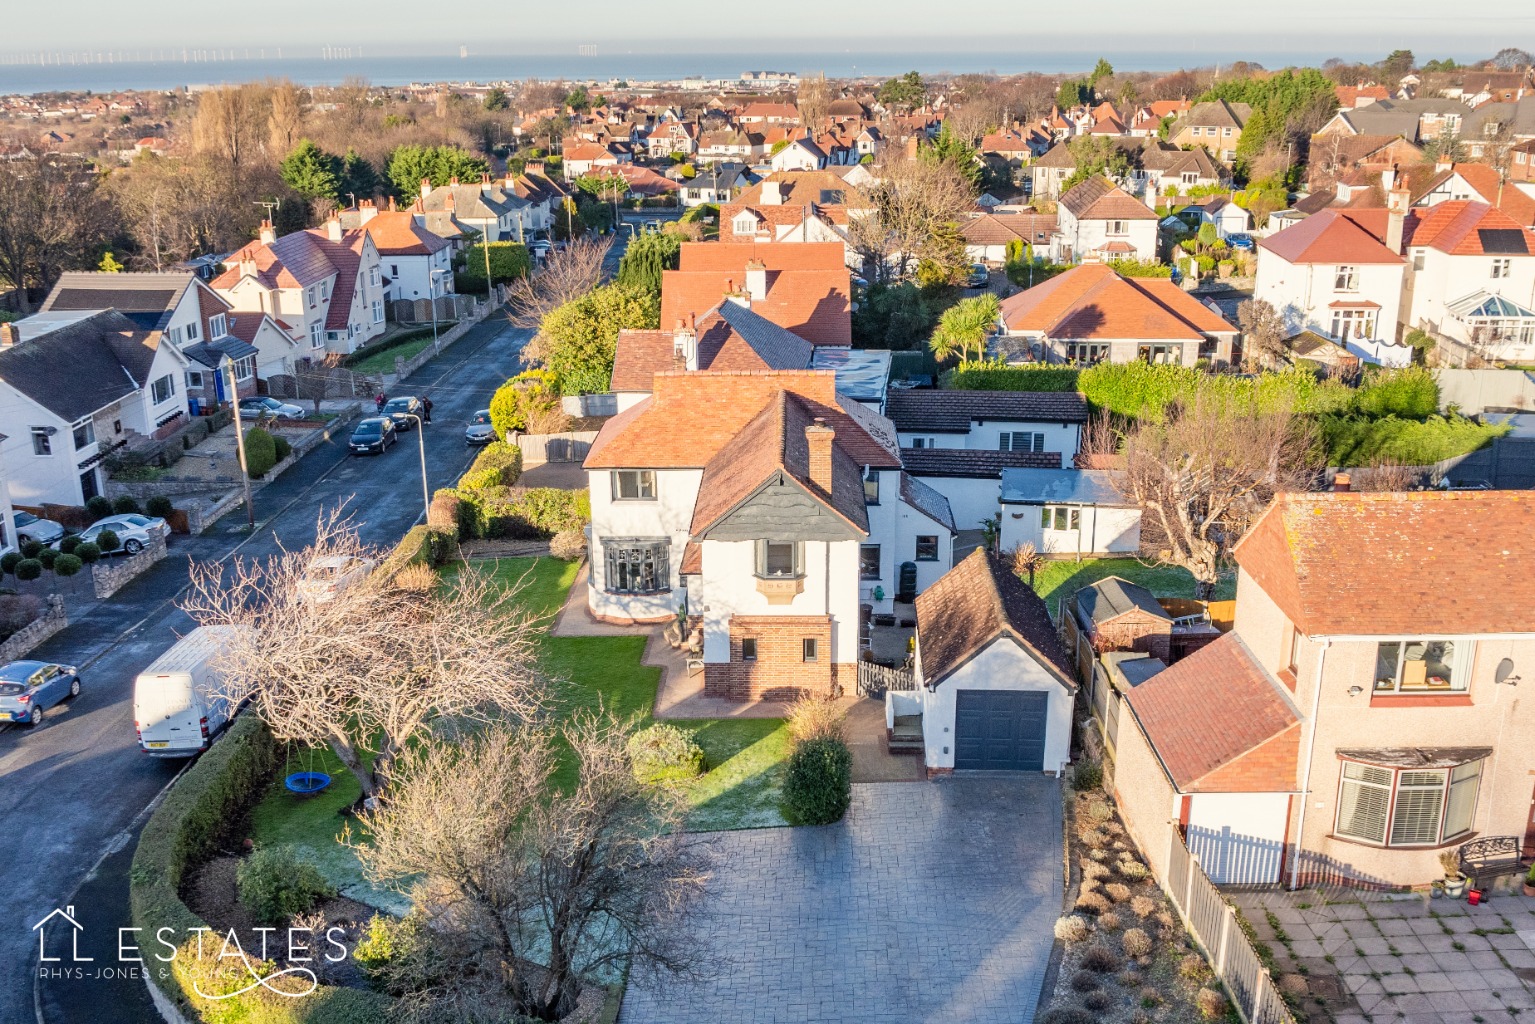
(1000, 730)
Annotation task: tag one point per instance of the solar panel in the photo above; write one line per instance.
(1503, 241)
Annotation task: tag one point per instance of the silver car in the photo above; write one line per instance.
(30, 527)
(258, 406)
(133, 531)
(480, 431)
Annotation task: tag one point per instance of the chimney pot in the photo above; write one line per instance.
(1341, 483)
(426, 187)
(268, 233)
(818, 436)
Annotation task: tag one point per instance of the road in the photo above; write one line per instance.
(71, 789)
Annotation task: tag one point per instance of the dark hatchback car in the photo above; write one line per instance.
(404, 412)
(373, 436)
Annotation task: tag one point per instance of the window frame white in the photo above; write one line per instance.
(868, 553)
(89, 429)
(1345, 278)
(169, 387)
(1032, 441)
(218, 325)
(643, 480)
(1398, 818)
(1462, 658)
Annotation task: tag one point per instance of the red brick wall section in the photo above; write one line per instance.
(779, 673)
(1267, 768)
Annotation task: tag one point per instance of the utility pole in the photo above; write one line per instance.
(245, 474)
(489, 287)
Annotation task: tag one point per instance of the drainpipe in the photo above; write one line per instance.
(1305, 785)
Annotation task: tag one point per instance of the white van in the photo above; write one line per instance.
(176, 710)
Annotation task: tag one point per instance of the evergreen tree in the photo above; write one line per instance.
(438, 164)
(646, 257)
(358, 177)
(312, 172)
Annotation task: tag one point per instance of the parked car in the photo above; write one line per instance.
(29, 688)
(44, 531)
(979, 277)
(133, 530)
(1242, 243)
(329, 575)
(373, 435)
(403, 411)
(541, 247)
(257, 406)
(480, 430)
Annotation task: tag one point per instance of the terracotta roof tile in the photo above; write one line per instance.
(396, 233)
(1459, 228)
(1334, 236)
(639, 356)
(1097, 198)
(1093, 301)
(808, 285)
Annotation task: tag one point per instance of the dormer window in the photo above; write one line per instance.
(744, 225)
(218, 326)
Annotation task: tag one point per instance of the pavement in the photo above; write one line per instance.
(929, 902)
(72, 791)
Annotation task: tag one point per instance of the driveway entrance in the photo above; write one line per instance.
(931, 902)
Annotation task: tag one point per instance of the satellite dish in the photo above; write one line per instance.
(1505, 672)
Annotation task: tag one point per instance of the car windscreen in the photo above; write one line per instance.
(481, 417)
(368, 430)
(398, 405)
(25, 519)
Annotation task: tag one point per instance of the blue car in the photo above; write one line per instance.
(1242, 242)
(29, 688)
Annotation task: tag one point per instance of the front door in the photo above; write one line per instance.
(88, 485)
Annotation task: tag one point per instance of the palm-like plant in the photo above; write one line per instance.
(965, 326)
(1027, 560)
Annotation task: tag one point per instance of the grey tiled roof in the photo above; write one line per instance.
(86, 366)
(779, 348)
(1110, 598)
(954, 411)
(928, 501)
(971, 463)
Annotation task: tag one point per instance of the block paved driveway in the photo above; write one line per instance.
(930, 902)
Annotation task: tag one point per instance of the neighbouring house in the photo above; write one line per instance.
(1362, 715)
(802, 287)
(586, 157)
(759, 503)
(798, 155)
(1069, 512)
(1338, 273)
(498, 213)
(1097, 220)
(1048, 173)
(1521, 161)
(417, 263)
(1165, 170)
(1215, 125)
(325, 283)
(70, 396)
(988, 235)
(1416, 120)
(1229, 218)
(1471, 278)
(994, 688)
(1091, 313)
(546, 197)
(717, 184)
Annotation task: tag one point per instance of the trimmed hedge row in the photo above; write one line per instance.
(521, 513)
(505, 459)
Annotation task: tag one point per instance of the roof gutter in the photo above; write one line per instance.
(1305, 785)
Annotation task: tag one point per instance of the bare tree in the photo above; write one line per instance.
(232, 122)
(1102, 437)
(1264, 330)
(51, 219)
(913, 202)
(1203, 474)
(567, 274)
(530, 890)
(286, 120)
(1386, 475)
(813, 100)
(369, 667)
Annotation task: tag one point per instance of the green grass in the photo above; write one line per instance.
(382, 361)
(1057, 580)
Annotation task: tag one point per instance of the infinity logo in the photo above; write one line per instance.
(266, 983)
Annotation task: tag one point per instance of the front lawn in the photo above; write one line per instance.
(382, 361)
(1057, 580)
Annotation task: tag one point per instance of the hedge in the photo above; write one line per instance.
(535, 513)
(260, 452)
(395, 341)
(505, 459)
(1356, 441)
(1026, 377)
(421, 545)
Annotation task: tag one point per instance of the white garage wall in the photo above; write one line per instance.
(1003, 665)
(1103, 531)
(970, 500)
(1238, 837)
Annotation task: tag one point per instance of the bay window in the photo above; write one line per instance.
(780, 559)
(1401, 805)
(1422, 666)
(637, 566)
(1353, 323)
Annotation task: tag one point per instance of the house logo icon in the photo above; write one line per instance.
(68, 914)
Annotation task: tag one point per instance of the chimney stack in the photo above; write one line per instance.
(756, 280)
(9, 335)
(426, 187)
(819, 437)
(685, 343)
(268, 233)
(1444, 163)
(772, 193)
(366, 211)
(1397, 204)
(333, 227)
(1341, 483)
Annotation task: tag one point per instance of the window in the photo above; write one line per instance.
(218, 326)
(1421, 666)
(924, 442)
(1292, 659)
(245, 368)
(1417, 260)
(927, 548)
(779, 559)
(174, 334)
(309, 292)
(745, 224)
(192, 331)
(1021, 441)
(1057, 518)
(637, 566)
(194, 379)
(378, 311)
(868, 561)
(163, 389)
(1171, 354)
(324, 289)
(316, 336)
(1118, 227)
(1084, 352)
(1391, 806)
(749, 649)
(634, 485)
(1346, 279)
(808, 649)
(373, 277)
(1502, 267)
(1190, 177)
(42, 443)
(1353, 323)
(85, 434)
(871, 487)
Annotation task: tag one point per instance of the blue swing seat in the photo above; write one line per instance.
(306, 783)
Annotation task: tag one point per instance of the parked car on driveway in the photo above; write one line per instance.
(480, 430)
(1242, 243)
(404, 410)
(44, 531)
(329, 575)
(979, 277)
(133, 530)
(30, 688)
(373, 436)
(265, 405)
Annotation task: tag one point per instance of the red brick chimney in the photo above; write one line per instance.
(819, 437)
(1340, 482)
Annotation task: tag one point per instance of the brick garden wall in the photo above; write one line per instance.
(779, 673)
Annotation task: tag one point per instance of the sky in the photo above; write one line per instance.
(1363, 29)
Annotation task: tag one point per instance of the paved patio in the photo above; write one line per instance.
(930, 902)
(1401, 959)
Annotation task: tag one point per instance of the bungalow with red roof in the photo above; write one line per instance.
(1091, 314)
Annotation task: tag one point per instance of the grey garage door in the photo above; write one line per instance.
(1000, 730)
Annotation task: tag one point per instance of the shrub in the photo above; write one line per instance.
(1095, 840)
(1118, 891)
(68, 544)
(1085, 981)
(67, 565)
(568, 545)
(1212, 1004)
(260, 452)
(1092, 869)
(442, 513)
(1133, 870)
(1150, 997)
(1101, 959)
(1097, 810)
(416, 578)
(505, 458)
(1137, 943)
(29, 569)
(18, 611)
(99, 507)
(1129, 979)
(107, 540)
(664, 755)
(31, 549)
(281, 446)
(88, 553)
(818, 782)
(1099, 1000)
(479, 479)
(1193, 968)
(1143, 906)
(160, 506)
(1067, 1015)
(1109, 921)
(9, 561)
(274, 884)
(1092, 903)
(47, 556)
(1087, 775)
(1071, 928)
(812, 717)
(126, 505)
(998, 376)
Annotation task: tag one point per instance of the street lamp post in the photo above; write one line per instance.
(426, 493)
